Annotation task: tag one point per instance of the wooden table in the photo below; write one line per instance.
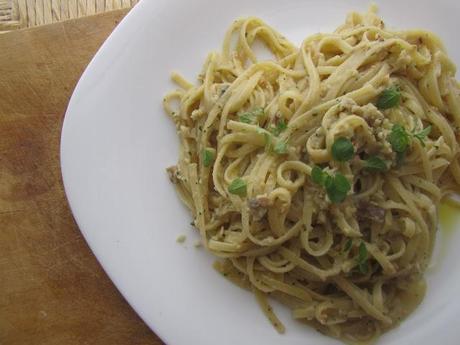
(52, 289)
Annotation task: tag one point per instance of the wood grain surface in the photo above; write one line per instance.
(52, 289)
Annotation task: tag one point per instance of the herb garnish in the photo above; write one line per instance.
(389, 98)
(362, 258)
(337, 186)
(421, 136)
(207, 156)
(374, 163)
(238, 187)
(318, 175)
(252, 116)
(280, 148)
(400, 140)
(280, 127)
(342, 150)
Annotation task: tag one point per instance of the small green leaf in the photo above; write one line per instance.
(252, 116)
(362, 258)
(375, 163)
(238, 187)
(337, 188)
(208, 157)
(362, 254)
(423, 133)
(342, 149)
(328, 181)
(389, 98)
(335, 196)
(348, 245)
(398, 138)
(246, 118)
(280, 127)
(318, 175)
(421, 136)
(280, 148)
(341, 183)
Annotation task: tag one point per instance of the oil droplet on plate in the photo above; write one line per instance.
(449, 220)
(449, 216)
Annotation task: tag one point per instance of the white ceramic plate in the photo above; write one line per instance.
(117, 142)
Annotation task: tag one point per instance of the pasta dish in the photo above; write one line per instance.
(315, 176)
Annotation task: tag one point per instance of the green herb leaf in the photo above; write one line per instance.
(318, 175)
(341, 183)
(337, 188)
(328, 181)
(362, 258)
(208, 157)
(348, 245)
(421, 136)
(280, 127)
(252, 116)
(389, 98)
(280, 148)
(362, 254)
(398, 138)
(342, 149)
(375, 163)
(335, 196)
(238, 187)
(246, 118)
